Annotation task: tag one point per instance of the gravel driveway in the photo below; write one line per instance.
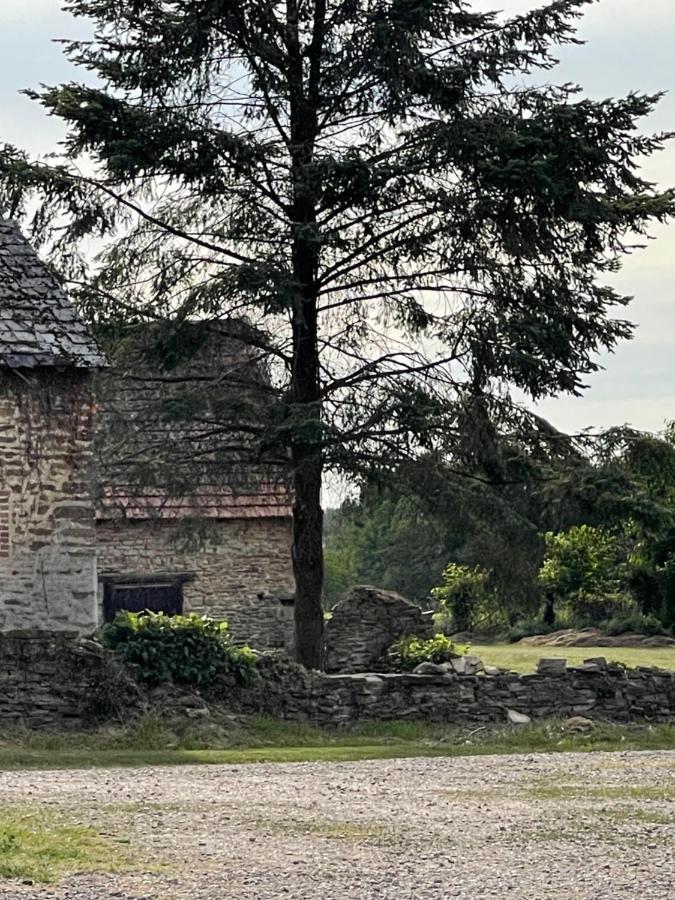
(541, 826)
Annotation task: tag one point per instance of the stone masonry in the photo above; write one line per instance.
(59, 681)
(366, 623)
(47, 357)
(57, 483)
(243, 574)
(189, 501)
(48, 681)
(47, 555)
(595, 691)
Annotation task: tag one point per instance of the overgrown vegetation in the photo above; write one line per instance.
(466, 599)
(184, 649)
(408, 652)
(387, 540)
(581, 572)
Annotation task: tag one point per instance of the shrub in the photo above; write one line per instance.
(465, 596)
(185, 649)
(586, 610)
(409, 652)
(583, 572)
(529, 628)
(635, 622)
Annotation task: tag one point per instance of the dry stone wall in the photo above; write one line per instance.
(595, 691)
(47, 538)
(48, 681)
(242, 572)
(366, 623)
(61, 681)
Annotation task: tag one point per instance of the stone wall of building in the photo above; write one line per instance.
(366, 623)
(240, 570)
(48, 681)
(47, 552)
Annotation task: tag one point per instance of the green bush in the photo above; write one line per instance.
(409, 652)
(466, 597)
(635, 622)
(185, 649)
(583, 572)
(596, 610)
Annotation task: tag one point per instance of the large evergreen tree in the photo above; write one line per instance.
(410, 225)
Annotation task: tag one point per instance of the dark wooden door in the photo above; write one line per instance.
(166, 598)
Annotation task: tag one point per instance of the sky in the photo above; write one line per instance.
(628, 47)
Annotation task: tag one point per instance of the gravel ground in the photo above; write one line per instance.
(528, 827)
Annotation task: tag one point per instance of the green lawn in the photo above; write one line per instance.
(263, 740)
(523, 658)
(44, 845)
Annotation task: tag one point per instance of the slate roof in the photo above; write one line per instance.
(38, 324)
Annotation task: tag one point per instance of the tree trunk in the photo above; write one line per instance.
(549, 609)
(305, 392)
(307, 459)
(308, 563)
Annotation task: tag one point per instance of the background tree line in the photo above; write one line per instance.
(579, 531)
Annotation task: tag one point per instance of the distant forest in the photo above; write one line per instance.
(567, 532)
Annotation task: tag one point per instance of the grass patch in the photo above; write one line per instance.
(523, 658)
(568, 792)
(156, 743)
(42, 847)
(12, 760)
(649, 816)
(343, 831)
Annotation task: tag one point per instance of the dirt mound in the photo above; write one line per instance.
(593, 637)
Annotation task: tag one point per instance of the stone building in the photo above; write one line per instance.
(190, 517)
(118, 502)
(47, 540)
